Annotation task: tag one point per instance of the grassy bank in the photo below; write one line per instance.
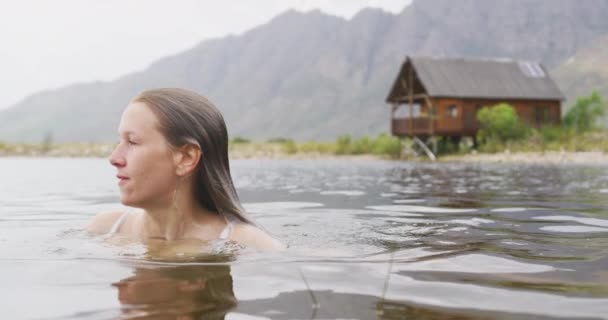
(56, 150)
(547, 140)
(553, 139)
(381, 146)
(548, 145)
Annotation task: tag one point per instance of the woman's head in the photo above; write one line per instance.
(168, 135)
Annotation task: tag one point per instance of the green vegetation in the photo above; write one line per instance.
(387, 145)
(383, 145)
(585, 113)
(343, 145)
(290, 147)
(312, 146)
(551, 138)
(237, 140)
(47, 143)
(500, 125)
(278, 140)
(502, 129)
(47, 148)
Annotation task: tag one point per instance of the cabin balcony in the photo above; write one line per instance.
(411, 126)
(425, 126)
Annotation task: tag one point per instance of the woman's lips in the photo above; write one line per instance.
(122, 180)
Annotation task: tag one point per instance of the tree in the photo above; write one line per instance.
(500, 123)
(47, 142)
(585, 112)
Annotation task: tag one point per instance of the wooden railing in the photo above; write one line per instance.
(422, 126)
(415, 126)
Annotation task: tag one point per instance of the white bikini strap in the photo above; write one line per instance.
(227, 231)
(118, 223)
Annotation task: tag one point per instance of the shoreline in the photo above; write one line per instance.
(543, 158)
(547, 157)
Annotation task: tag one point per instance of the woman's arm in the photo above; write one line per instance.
(252, 236)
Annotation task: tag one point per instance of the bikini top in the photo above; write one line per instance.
(224, 235)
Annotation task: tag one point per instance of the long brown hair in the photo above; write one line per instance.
(187, 117)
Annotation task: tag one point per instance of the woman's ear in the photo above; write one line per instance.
(186, 159)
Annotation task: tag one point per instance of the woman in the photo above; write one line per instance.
(172, 162)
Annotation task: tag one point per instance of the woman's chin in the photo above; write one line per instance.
(128, 201)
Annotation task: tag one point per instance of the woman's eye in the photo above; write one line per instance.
(131, 142)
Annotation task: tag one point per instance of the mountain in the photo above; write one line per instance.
(585, 71)
(315, 76)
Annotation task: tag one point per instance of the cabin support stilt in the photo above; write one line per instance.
(425, 148)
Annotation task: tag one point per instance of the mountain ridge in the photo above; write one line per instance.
(312, 75)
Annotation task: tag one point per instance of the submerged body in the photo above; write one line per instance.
(172, 162)
(134, 226)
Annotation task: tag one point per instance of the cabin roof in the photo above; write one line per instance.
(479, 78)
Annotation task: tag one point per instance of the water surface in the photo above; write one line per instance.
(367, 240)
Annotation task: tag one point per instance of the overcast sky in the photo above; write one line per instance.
(50, 44)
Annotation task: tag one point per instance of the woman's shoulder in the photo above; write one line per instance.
(103, 221)
(252, 236)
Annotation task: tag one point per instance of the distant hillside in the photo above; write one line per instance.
(316, 76)
(585, 71)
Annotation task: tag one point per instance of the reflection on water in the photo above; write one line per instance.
(183, 292)
(368, 240)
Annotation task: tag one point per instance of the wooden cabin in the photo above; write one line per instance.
(441, 96)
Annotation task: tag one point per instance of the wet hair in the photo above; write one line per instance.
(186, 117)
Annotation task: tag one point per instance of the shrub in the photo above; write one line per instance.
(550, 133)
(361, 146)
(312, 146)
(586, 111)
(343, 144)
(386, 145)
(289, 147)
(500, 124)
(278, 140)
(242, 140)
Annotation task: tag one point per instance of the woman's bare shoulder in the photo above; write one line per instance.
(103, 221)
(252, 236)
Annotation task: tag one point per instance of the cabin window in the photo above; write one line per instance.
(452, 111)
(531, 69)
(403, 111)
(541, 114)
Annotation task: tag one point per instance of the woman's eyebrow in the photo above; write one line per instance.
(126, 133)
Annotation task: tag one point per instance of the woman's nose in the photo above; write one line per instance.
(116, 159)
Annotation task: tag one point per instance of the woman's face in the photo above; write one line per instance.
(143, 159)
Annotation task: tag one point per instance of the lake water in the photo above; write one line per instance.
(367, 240)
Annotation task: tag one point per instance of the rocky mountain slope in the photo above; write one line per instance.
(316, 76)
